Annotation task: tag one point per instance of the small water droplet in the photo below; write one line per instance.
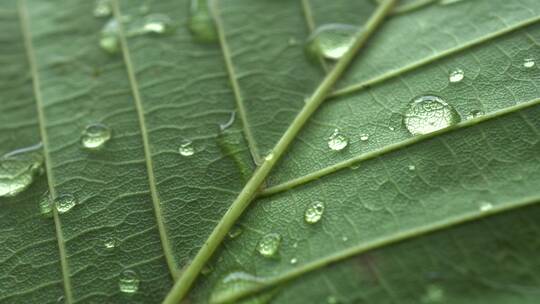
(344, 239)
(331, 300)
(485, 206)
(95, 136)
(128, 282)
(102, 8)
(294, 261)
(456, 75)
(292, 41)
(528, 62)
(433, 294)
(64, 203)
(269, 244)
(18, 170)
(186, 148)
(337, 141)
(426, 114)
(364, 137)
(331, 41)
(269, 156)
(235, 232)
(314, 212)
(391, 128)
(110, 243)
(201, 23)
(157, 24)
(295, 245)
(475, 113)
(109, 41)
(411, 167)
(46, 205)
(235, 282)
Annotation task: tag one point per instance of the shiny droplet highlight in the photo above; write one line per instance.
(331, 41)
(314, 212)
(429, 113)
(157, 24)
(64, 203)
(186, 148)
(456, 75)
(269, 244)
(95, 136)
(128, 281)
(337, 141)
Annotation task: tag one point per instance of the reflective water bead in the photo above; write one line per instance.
(337, 141)
(331, 41)
(95, 136)
(429, 113)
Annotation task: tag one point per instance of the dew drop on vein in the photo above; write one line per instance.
(269, 244)
(337, 141)
(128, 281)
(429, 113)
(95, 136)
(485, 206)
(331, 41)
(314, 212)
(201, 23)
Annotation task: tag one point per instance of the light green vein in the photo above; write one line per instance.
(411, 6)
(377, 243)
(391, 74)
(36, 85)
(310, 22)
(167, 249)
(248, 134)
(392, 148)
(183, 284)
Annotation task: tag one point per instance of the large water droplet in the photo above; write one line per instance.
(429, 113)
(109, 41)
(186, 148)
(337, 141)
(269, 244)
(201, 23)
(456, 75)
(46, 205)
(95, 136)
(18, 170)
(102, 8)
(236, 282)
(528, 62)
(64, 203)
(331, 41)
(128, 282)
(314, 212)
(157, 24)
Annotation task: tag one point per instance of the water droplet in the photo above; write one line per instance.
(331, 41)
(429, 113)
(64, 203)
(331, 300)
(269, 156)
(110, 243)
(18, 170)
(186, 148)
(102, 8)
(109, 41)
(294, 261)
(411, 167)
(474, 114)
(235, 232)
(157, 24)
(485, 206)
(95, 136)
(456, 75)
(354, 167)
(129, 281)
(344, 239)
(45, 205)
(295, 245)
(391, 128)
(236, 282)
(229, 122)
(201, 23)
(292, 41)
(269, 244)
(528, 62)
(433, 294)
(314, 212)
(364, 137)
(337, 141)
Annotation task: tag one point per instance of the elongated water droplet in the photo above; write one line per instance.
(528, 62)
(186, 148)
(128, 282)
(235, 232)
(157, 24)
(109, 41)
(364, 137)
(429, 113)
(485, 206)
(236, 282)
(331, 41)
(95, 136)
(314, 212)
(456, 75)
(475, 113)
(201, 23)
(64, 203)
(18, 170)
(269, 244)
(337, 141)
(102, 8)
(46, 205)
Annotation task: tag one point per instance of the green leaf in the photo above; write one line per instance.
(446, 217)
